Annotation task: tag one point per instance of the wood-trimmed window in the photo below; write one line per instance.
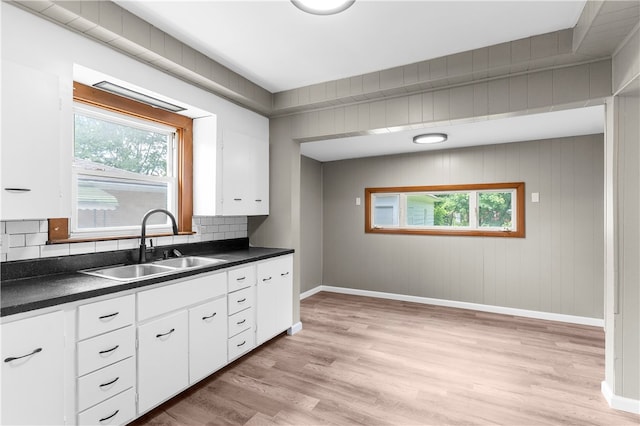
(182, 170)
(486, 210)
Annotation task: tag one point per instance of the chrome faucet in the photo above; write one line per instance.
(143, 247)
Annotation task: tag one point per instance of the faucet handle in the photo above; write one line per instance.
(177, 253)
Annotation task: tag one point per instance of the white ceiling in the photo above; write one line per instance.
(279, 47)
(573, 122)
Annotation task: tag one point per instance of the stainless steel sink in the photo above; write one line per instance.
(131, 272)
(188, 262)
(147, 270)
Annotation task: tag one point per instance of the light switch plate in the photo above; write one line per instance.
(357, 201)
(535, 197)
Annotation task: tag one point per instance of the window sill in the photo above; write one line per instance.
(460, 233)
(119, 237)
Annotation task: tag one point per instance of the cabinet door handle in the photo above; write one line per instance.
(104, 317)
(241, 344)
(109, 383)
(242, 300)
(210, 316)
(108, 417)
(106, 351)
(258, 201)
(241, 279)
(241, 322)
(17, 190)
(165, 334)
(13, 358)
(284, 274)
(266, 279)
(237, 199)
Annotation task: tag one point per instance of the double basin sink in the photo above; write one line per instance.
(157, 268)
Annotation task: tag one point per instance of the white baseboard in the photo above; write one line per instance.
(619, 402)
(294, 328)
(596, 322)
(311, 292)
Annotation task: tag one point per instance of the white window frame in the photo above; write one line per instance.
(171, 179)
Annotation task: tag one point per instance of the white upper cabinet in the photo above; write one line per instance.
(31, 160)
(231, 175)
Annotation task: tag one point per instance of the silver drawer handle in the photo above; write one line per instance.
(13, 358)
(284, 274)
(106, 351)
(242, 300)
(241, 322)
(241, 279)
(258, 201)
(104, 317)
(109, 417)
(209, 317)
(109, 383)
(165, 334)
(237, 199)
(266, 279)
(241, 344)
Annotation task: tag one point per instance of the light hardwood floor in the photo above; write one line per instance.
(368, 361)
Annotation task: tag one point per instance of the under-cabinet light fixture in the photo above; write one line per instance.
(430, 138)
(137, 96)
(323, 7)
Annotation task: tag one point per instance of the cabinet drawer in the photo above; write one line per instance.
(105, 383)
(165, 299)
(276, 268)
(241, 343)
(115, 411)
(241, 299)
(241, 321)
(104, 350)
(100, 317)
(242, 278)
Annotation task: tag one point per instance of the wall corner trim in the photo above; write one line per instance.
(619, 402)
(549, 316)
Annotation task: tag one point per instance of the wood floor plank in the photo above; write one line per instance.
(366, 361)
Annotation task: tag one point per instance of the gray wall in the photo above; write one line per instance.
(625, 303)
(311, 224)
(557, 268)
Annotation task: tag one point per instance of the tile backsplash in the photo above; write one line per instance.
(26, 239)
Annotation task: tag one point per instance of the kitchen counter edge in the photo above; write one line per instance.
(30, 294)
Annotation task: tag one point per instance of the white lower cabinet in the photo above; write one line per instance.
(241, 309)
(106, 366)
(163, 359)
(32, 372)
(132, 352)
(207, 338)
(274, 297)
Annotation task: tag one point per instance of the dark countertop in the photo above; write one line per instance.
(45, 290)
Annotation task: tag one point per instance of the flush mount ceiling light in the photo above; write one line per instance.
(430, 138)
(323, 7)
(137, 96)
